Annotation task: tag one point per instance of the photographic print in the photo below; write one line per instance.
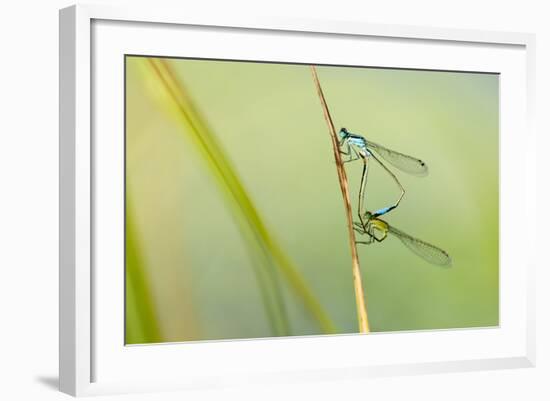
(272, 200)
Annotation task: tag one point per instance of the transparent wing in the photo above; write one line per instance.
(403, 162)
(426, 251)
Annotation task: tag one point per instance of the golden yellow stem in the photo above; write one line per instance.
(362, 317)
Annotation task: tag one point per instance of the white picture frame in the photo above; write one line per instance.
(91, 40)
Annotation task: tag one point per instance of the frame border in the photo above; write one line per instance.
(75, 170)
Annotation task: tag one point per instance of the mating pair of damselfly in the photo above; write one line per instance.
(357, 147)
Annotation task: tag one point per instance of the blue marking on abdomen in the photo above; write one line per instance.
(382, 211)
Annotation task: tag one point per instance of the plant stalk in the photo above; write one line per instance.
(362, 317)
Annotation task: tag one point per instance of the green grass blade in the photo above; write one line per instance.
(142, 324)
(266, 248)
(265, 274)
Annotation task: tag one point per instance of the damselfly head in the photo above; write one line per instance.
(367, 216)
(343, 133)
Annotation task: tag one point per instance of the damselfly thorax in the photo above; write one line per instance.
(377, 229)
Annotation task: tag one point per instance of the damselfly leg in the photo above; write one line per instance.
(357, 147)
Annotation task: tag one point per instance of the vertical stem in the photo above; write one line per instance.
(342, 178)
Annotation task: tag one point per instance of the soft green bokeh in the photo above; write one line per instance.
(269, 120)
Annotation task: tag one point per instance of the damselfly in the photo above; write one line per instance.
(378, 229)
(357, 147)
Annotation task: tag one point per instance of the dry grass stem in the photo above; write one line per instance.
(362, 317)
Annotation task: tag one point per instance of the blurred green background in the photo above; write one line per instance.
(189, 270)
